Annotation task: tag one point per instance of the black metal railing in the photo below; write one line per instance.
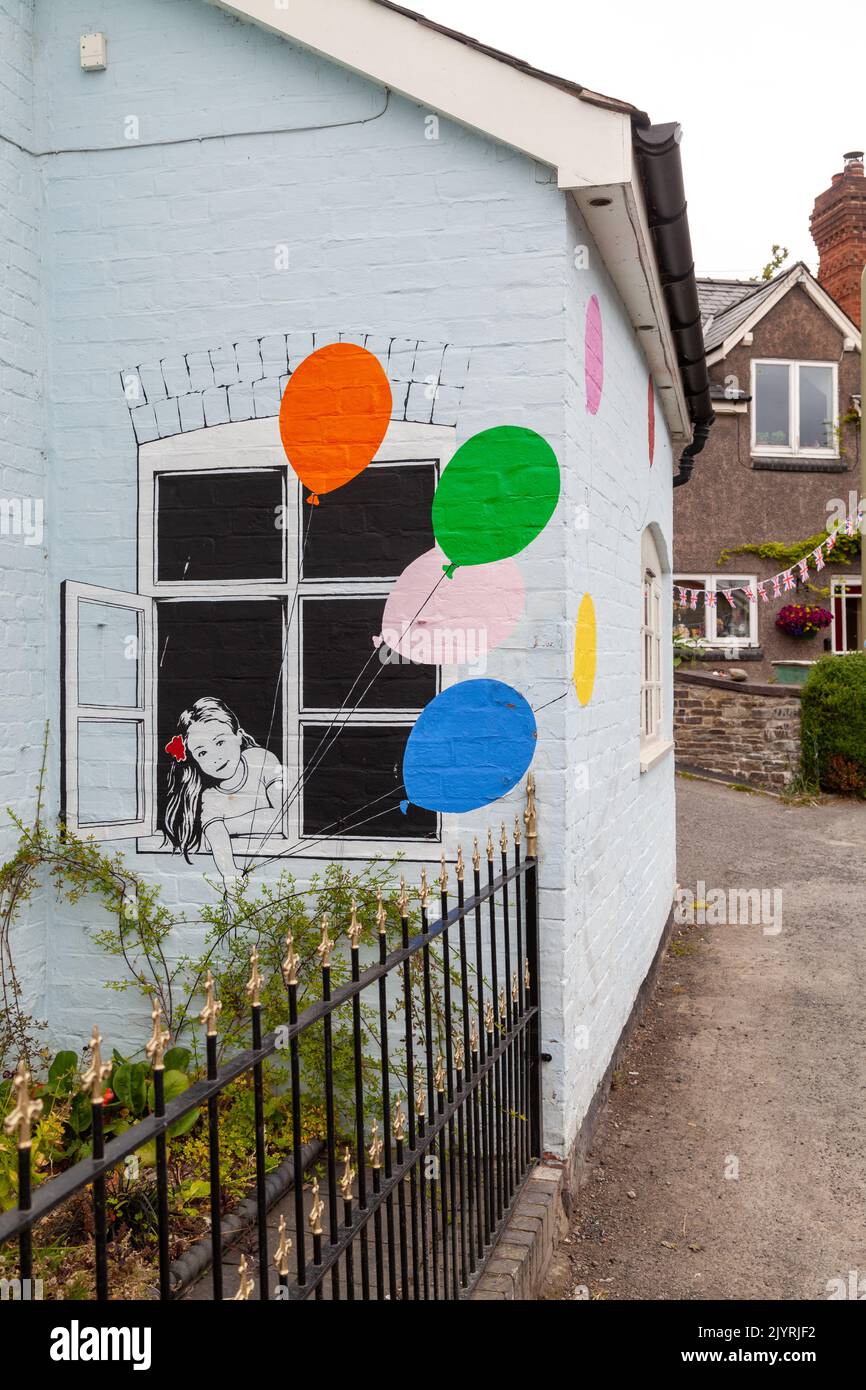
(413, 1186)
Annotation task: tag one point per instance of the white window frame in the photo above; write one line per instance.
(75, 711)
(840, 584)
(792, 449)
(650, 656)
(714, 583)
(253, 445)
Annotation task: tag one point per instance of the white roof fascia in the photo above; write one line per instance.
(589, 146)
(586, 144)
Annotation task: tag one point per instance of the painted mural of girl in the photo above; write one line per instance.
(221, 783)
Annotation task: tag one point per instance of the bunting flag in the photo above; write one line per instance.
(785, 579)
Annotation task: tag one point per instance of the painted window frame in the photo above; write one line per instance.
(792, 449)
(255, 445)
(75, 711)
(713, 583)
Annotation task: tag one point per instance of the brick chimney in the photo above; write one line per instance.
(838, 224)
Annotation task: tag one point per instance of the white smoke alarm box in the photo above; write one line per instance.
(93, 52)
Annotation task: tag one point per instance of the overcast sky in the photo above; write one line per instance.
(768, 98)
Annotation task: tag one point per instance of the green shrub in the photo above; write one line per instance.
(833, 729)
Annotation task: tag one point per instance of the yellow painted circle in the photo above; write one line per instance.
(585, 650)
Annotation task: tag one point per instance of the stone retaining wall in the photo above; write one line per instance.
(742, 732)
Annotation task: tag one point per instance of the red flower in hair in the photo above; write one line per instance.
(177, 748)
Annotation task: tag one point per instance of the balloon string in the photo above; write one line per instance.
(282, 666)
(549, 703)
(321, 752)
(306, 841)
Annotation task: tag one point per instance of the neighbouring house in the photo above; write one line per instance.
(195, 207)
(783, 462)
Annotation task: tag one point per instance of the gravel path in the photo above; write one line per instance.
(732, 1161)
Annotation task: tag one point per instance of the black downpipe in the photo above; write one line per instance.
(658, 154)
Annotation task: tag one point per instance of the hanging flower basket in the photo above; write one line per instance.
(803, 619)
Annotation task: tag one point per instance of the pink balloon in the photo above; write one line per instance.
(466, 617)
(593, 359)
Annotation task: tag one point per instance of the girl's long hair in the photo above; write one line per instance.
(186, 781)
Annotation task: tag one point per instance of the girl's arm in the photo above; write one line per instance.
(220, 845)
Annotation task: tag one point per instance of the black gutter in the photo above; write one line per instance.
(658, 155)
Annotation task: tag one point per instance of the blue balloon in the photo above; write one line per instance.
(469, 747)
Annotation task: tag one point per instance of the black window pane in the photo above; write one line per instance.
(219, 526)
(342, 668)
(359, 779)
(374, 526)
(231, 650)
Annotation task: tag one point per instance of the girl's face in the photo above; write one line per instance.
(216, 748)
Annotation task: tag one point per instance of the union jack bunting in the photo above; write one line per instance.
(710, 598)
(750, 594)
(849, 526)
(831, 541)
(682, 594)
(694, 602)
(788, 580)
(729, 595)
(818, 557)
(777, 587)
(764, 596)
(803, 567)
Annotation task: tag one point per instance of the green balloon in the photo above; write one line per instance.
(497, 494)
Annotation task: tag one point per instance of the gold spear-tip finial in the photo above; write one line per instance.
(489, 844)
(515, 993)
(25, 1110)
(380, 912)
(473, 1036)
(458, 1054)
(247, 1282)
(326, 945)
(503, 1013)
(281, 1254)
(256, 980)
(355, 927)
(420, 1100)
(154, 1048)
(460, 867)
(516, 831)
(443, 873)
(503, 837)
(488, 1017)
(526, 975)
(95, 1077)
(212, 1008)
(291, 963)
(316, 1209)
(424, 896)
(403, 900)
(530, 818)
(375, 1149)
(398, 1123)
(476, 854)
(439, 1077)
(348, 1176)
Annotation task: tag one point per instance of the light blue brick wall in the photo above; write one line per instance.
(23, 566)
(166, 249)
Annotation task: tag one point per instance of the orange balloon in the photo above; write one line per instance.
(334, 415)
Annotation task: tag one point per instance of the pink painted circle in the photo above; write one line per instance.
(593, 357)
